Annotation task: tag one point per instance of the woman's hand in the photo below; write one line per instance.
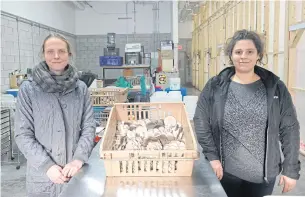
(289, 183)
(55, 175)
(72, 168)
(217, 167)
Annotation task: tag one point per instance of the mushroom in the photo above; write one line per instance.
(161, 129)
(120, 126)
(129, 146)
(170, 121)
(139, 140)
(180, 136)
(140, 131)
(160, 122)
(154, 146)
(163, 140)
(142, 123)
(149, 134)
(131, 134)
(157, 131)
(177, 132)
(156, 134)
(126, 127)
(150, 125)
(170, 136)
(132, 126)
(147, 121)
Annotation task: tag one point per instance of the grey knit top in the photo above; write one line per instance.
(244, 130)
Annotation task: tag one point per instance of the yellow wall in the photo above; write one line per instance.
(218, 20)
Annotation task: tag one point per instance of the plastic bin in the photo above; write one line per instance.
(182, 90)
(190, 105)
(174, 83)
(148, 163)
(111, 61)
(175, 96)
(13, 92)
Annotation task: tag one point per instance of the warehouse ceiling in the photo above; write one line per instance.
(186, 8)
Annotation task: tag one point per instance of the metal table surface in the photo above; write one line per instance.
(92, 182)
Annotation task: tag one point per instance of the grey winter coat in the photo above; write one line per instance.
(52, 129)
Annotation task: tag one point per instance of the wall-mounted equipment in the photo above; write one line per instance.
(133, 47)
(133, 53)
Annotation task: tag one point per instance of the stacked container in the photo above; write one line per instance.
(167, 55)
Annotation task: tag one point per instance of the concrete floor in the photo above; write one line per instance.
(13, 181)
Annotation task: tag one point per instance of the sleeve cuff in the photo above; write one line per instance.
(47, 165)
(292, 176)
(80, 157)
(292, 171)
(211, 157)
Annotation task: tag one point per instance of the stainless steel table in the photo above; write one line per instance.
(92, 182)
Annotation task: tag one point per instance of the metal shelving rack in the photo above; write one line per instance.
(7, 134)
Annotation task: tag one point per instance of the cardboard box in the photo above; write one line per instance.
(167, 45)
(167, 65)
(167, 54)
(128, 72)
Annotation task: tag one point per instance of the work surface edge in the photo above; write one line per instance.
(91, 180)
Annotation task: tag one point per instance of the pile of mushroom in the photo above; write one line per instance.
(148, 134)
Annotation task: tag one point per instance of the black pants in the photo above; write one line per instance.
(236, 187)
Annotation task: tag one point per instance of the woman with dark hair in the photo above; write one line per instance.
(242, 116)
(54, 126)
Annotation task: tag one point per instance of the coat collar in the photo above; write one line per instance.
(267, 77)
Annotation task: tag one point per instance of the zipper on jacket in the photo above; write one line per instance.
(220, 127)
(223, 97)
(266, 159)
(267, 136)
(221, 159)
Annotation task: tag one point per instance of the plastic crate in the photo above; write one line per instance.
(111, 61)
(100, 115)
(182, 90)
(136, 80)
(108, 96)
(144, 162)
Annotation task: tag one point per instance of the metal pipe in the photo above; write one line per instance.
(155, 18)
(17, 20)
(127, 22)
(127, 26)
(134, 20)
(158, 22)
(154, 27)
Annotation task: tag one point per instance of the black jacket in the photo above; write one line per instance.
(282, 124)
